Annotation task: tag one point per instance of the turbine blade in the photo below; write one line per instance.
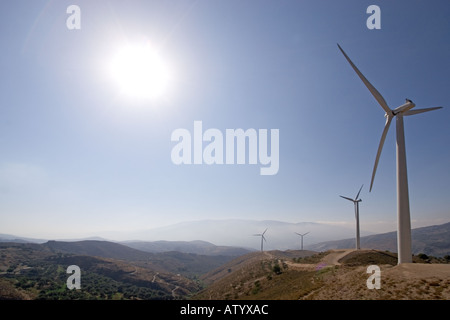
(264, 231)
(359, 192)
(417, 111)
(264, 238)
(347, 198)
(307, 233)
(380, 147)
(369, 86)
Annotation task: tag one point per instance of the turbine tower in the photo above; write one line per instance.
(262, 238)
(403, 214)
(356, 202)
(302, 235)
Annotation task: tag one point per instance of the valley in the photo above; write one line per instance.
(200, 270)
(109, 271)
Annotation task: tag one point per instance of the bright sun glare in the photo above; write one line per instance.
(139, 71)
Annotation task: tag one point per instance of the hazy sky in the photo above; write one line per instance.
(79, 157)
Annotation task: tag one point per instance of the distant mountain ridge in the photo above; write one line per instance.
(240, 233)
(188, 264)
(13, 238)
(230, 233)
(104, 249)
(196, 246)
(238, 237)
(431, 240)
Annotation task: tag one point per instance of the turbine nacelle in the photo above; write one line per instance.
(356, 198)
(262, 238)
(404, 107)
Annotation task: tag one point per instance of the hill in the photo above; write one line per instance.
(432, 240)
(247, 261)
(196, 247)
(331, 275)
(33, 271)
(239, 233)
(13, 238)
(187, 264)
(98, 248)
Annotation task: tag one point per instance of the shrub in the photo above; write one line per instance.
(422, 256)
(276, 269)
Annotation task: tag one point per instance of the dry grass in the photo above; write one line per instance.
(321, 277)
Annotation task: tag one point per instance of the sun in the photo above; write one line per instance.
(139, 71)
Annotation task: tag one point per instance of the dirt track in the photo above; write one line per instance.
(336, 255)
(408, 281)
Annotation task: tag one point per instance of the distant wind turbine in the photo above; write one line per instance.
(403, 214)
(302, 235)
(356, 202)
(262, 238)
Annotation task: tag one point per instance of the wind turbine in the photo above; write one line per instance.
(356, 201)
(302, 235)
(403, 214)
(262, 238)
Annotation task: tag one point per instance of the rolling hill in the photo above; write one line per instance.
(331, 275)
(432, 240)
(239, 233)
(187, 264)
(97, 248)
(196, 247)
(34, 271)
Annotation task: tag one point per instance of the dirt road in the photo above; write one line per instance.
(336, 255)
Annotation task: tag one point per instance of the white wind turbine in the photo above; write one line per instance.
(302, 235)
(403, 215)
(262, 238)
(356, 202)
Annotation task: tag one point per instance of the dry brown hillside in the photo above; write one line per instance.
(331, 275)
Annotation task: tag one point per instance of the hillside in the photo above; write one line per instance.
(97, 248)
(432, 240)
(109, 271)
(239, 233)
(32, 271)
(187, 264)
(331, 275)
(196, 247)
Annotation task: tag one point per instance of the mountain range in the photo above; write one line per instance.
(188, 264)
(196, 246)
(280, 235)
(431, 240)
(181, 269)
(236, 237)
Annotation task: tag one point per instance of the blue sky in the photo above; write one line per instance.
(77, 158)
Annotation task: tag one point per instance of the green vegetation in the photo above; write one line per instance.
(315, 258)
(48, 281)
(424, 258)
(276, 268)
(42, 275)
(36, 272)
